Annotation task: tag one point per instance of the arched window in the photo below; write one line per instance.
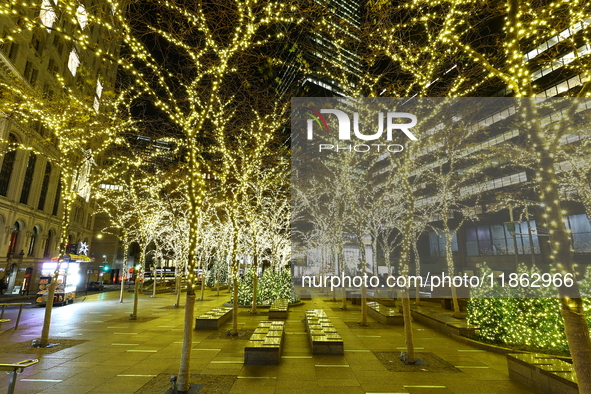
(28, 179)
(34, 235)
(14, 236)
(69, 247)
(7, 166)
(48, 241)
(44, 187)
(56, 201)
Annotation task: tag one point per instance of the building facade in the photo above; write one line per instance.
(37, 53)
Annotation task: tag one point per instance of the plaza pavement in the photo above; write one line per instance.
(120, 356)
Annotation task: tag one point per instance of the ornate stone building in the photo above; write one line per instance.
(39, 58)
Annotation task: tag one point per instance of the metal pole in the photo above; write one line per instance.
(12, 383)
(154, 278)
(513, 235)
(19, 316)
(531, 238)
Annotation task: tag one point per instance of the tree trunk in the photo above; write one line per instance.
(363, 285)
(234, 270)
(177, 286)
(154, 283)
(122, 287)
(217, 279)
(235, 307)
(363, 305)
(577, 335)
(67, 199)
(410, 347)
(404, 267)
(450, 261)
(125, 272)
(195, 199)
(183, 381)
(202, 290)
(255, 280)
(136, 284)
(48, 309)
(418, 273)
(454, 296)
(374, 253)
(342, 265)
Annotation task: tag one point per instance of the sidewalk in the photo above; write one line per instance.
(114, 355)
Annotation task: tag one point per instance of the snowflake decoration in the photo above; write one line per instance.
(83, 248)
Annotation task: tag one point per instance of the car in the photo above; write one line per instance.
(98, 286)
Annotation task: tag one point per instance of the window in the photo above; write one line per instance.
(14, 237)
(36, 43)
(28, 70)
(580, 232)
(56, 201)
(48, 240)
(12, 54)
(30, 73)
(58, 44)
(7, 167)
(437, 243)
(47, 14)
(9, 47)
(524, 244)
(34, 74)
(44, 187)
(497, 239)
(32, 241)
(73, 61)
(28, 180)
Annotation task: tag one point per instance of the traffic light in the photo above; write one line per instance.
(106, 268)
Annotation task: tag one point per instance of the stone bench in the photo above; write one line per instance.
(322, 334)
(265, 344)
(278, 309)
(305, 295)
(384, 314)
(543, 373)
(213, 319)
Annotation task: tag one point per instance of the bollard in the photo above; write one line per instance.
(173, 383)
